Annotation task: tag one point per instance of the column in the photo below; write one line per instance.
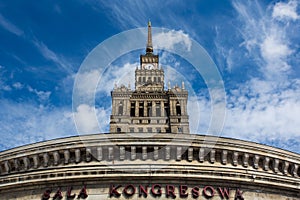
(162, 108)
(145, 109)
(153, 108)
(137, 104)
(201, 154)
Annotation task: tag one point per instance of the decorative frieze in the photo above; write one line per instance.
(88, 154)
(235, 157)
(133, 152)
(67, 156)
(275, 165)
(266, 163)
(245, 159)
(56, 158)
(99, 153)
(26, 163)
(36, 161)
(46, 159)
(7, 166)
(285, 166)
(178, 153)
(295, 170)
(224, 157)
(168, 154)
(122, 153)
(110, 153)
(201, 154)
(144, 152)
(256, 161)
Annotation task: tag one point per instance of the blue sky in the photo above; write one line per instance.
(254, 44)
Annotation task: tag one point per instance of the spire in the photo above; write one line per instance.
(149, 48)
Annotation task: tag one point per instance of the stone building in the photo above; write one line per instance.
(149, 166)
(149, 108)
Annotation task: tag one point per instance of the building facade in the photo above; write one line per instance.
(149, 108)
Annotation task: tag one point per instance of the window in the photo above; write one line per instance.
(120, 108)
(140, 79)
(131, 130)
(141, 109)
(149, 130)
(132, 109)
(144, 79)
(159, 79)
(167, 130)
(149, 109)
(154, 79)
(158, 113)
(166, 107)
(158, 130)
(178, 109)
(118, 130)
(140, 130)
(179, 130)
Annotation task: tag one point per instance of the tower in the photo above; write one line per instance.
(149, 108)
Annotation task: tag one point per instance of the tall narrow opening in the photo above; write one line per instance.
(132, 109)
(158, 112)
(178, 109)
(141, 109)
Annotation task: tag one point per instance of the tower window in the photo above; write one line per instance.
(159, 79)
(120, 108)
(179, 130)
(144, 79)
(118, 130)
(158, 130)
(131, 130)
(166, 108)
(178, 109)
(154, 79)
(141, 109)
(158, 113)
(140, 79)
(140, 130)
(149, 109)
(149, 130)
(132, 109)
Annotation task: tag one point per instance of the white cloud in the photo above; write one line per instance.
(286, 11)
(265, 39)
(86, 119)
(42, 95)
(171, 40)
(25, 123)
(120, 75)
(52, 56)
(18, 85)
(88, 81)
(7, 25)
(91, 120)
